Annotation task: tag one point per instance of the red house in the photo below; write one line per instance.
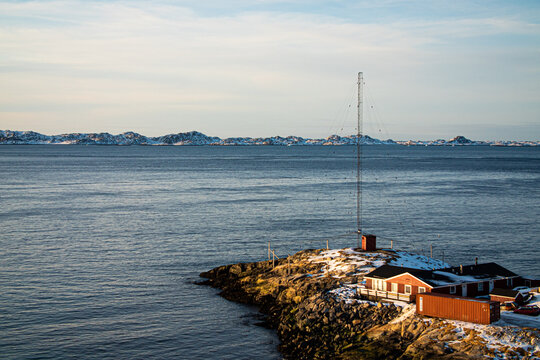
(394, 282)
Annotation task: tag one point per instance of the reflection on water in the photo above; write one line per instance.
(100, 244)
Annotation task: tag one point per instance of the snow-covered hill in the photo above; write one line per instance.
(197, 138)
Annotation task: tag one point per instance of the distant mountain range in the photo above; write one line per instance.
(197, 138)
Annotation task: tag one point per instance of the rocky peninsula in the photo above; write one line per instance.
(310, 298)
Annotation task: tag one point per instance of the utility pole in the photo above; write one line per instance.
(359, 157)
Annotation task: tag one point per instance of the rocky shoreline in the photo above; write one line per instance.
(318, 315)
(10, 137)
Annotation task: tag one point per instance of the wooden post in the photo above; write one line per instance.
(327, 248)
(431, 251)
(391, 244)
(288, 264)
(268, 250)
(443, 256)
(273, 259)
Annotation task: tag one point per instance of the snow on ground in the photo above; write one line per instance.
(346, 262)
(342, 262)
(408, 311)
(417, 261)
(347, 293)
(507, 332)
(498, 337)
(508, 317)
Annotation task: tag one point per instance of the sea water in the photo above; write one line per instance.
(100, 245)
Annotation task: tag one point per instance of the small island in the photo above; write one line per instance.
(314, 300)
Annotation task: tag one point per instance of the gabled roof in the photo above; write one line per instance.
(446, 277)
(388, 271)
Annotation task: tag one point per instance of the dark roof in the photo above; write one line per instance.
(446, 277)
(504, 292)
(388, 271)
(488, 269)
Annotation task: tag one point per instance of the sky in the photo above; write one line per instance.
(432, 69)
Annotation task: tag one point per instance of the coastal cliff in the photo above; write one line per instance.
(310, 298)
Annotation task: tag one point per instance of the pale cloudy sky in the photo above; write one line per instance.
(433, 69)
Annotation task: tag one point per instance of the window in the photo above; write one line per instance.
(480, 286)
(452, 289)
(421, 289)
(394, 287)
(408, 289)
(509, 282)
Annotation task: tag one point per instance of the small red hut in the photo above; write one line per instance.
(369, 242)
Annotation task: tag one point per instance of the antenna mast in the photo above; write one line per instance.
(359, 158)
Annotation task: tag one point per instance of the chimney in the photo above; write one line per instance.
(461, 269)
(476, 260)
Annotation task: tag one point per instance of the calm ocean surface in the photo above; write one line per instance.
(99, 245)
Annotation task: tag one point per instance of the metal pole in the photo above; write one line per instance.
(359, 158)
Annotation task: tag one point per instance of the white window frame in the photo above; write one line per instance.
(452, 289)
(410, 289)
(421, 289)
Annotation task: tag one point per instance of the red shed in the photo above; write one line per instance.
(458, 308)
(369, 242)
(505, 295)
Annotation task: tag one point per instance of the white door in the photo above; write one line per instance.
(463, 290)
(421, 303)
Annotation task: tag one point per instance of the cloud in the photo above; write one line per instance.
(249, 72)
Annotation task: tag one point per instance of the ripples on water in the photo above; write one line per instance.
(100, 245)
